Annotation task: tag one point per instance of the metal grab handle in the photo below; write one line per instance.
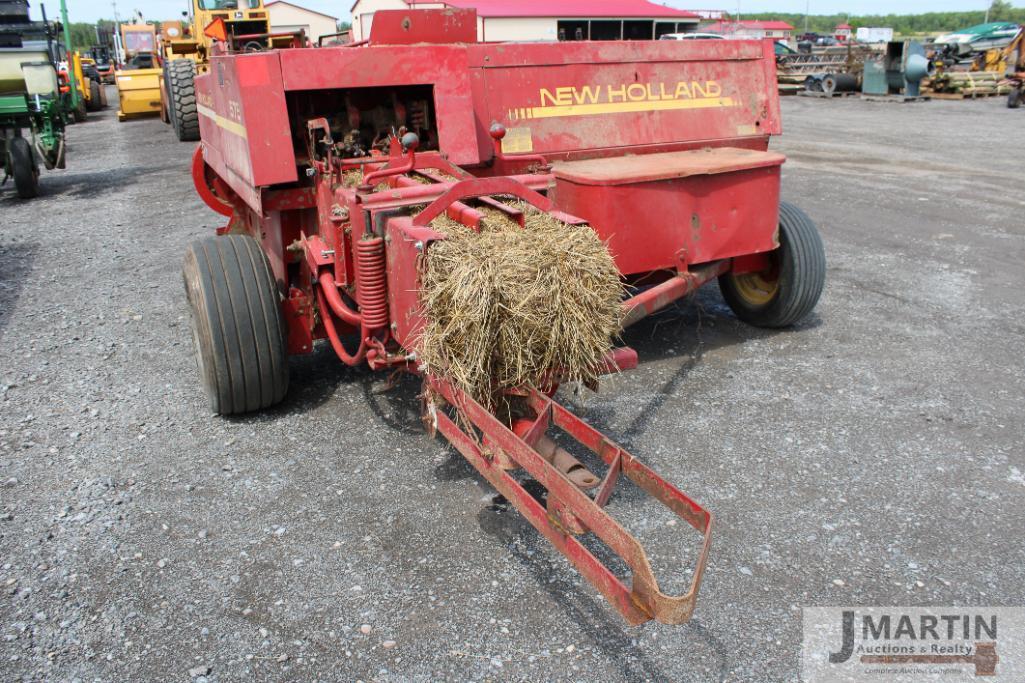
(477, 187)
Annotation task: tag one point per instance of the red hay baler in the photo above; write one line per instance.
(329, 165)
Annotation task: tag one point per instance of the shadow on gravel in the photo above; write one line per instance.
(315, 378)
(395, 401)
(93, 184)
(15, 267)
(686, 330)
(597, 622)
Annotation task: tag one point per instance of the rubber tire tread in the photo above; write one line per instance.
(169, 103)
(182, 91)
(1014, 98)
(802, 275)
(239, 326)
(94, 103)
(23, 168)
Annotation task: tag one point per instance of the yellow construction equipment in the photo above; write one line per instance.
(92, 88)
(138, 81)
(244, 26)
(1011, 57)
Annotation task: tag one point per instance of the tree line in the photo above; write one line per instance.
(84, 35)
(905, 24)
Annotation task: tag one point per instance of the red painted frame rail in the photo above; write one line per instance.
(642, 600)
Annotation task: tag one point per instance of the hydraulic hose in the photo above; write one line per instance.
(327, 317)
(334, 299)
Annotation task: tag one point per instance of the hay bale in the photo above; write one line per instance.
(508, 306)
(352, 177)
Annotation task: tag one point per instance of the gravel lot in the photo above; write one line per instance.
(871, 456)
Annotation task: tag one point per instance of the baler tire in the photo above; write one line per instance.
(1014, 98)
(801, 275)
(24, 168)
(237, 323)
(183, 110)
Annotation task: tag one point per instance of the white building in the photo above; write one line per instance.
(532, 20)
(780, 30)
(285, 17)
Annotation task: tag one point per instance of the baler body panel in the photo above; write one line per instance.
(244, 123)
(406, 246)
(671, 209)
(443, 67)
(568, 100)
(577, 98)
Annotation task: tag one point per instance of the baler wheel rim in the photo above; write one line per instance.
(759, 288)
(799, 266)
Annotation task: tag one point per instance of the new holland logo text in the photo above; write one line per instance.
(572, 100)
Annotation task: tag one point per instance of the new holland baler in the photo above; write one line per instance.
(660, 146)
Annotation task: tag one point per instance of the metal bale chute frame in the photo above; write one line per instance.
(330, 165)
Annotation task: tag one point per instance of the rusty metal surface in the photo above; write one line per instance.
(664, 165)
(571, 99)
(411, 26)
(673, 223)
(568, 505)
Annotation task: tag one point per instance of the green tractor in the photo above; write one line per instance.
(33, 110)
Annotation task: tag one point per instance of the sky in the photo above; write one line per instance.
(91, 10)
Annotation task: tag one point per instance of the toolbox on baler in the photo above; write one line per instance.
(659, 146)
(696, 205)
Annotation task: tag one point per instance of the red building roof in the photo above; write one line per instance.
(723, 26)
(843, 26)
(624, 9)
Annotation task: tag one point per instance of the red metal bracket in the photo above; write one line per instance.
(203, 178)
(661, 295)
(570, 511)
(298, 313)
(477, 187)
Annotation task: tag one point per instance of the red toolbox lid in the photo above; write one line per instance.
(642, 168)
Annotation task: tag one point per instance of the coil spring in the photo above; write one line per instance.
(372, 291)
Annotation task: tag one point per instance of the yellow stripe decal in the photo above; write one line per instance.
(627, 107)
(225, 123)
